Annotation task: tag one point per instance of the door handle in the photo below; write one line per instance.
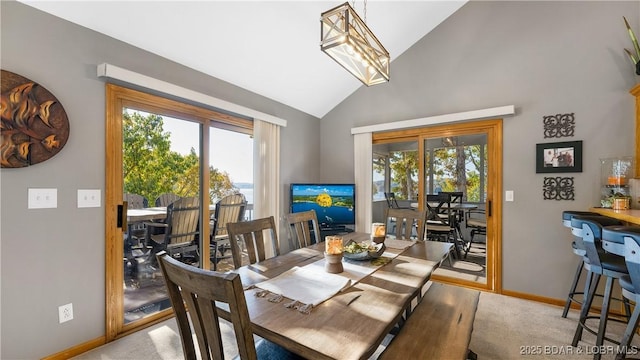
(489, 208)
(122, 215)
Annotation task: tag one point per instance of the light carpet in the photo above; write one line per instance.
(504, 328)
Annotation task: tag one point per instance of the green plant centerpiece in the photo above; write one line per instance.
(633, 55)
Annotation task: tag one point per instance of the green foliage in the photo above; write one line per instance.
(150, 168)
(404, 171)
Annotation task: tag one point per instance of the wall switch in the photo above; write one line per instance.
(65, 313)
(508, 195)
(43, 198)
(88, 198)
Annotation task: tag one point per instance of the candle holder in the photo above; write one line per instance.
(378, 232)
(333, 263)
(333, 254)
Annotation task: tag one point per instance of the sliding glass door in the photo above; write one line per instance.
(158, 153)
(462, 159)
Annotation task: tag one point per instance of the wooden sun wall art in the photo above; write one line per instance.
(558, 188)
(559, 125)
(33, 124)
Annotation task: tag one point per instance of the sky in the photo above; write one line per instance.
(229, 151)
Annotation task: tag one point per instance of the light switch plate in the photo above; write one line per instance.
(508, 195)
(42, 199)
(88, 198)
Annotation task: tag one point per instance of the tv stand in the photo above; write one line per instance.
(333, 230)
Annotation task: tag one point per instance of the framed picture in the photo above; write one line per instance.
(559, 157)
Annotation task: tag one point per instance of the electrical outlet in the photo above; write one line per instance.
(65, 313)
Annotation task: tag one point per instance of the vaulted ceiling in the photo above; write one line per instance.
(271, 48)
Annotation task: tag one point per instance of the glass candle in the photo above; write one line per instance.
(333, 244)
(378, 230)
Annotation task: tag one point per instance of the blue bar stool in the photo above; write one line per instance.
(600, 263)
(625, 241)
(578, 249)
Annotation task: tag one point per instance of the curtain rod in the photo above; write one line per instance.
(437, 119)
(105, 70)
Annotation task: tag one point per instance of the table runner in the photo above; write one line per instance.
(311, 285)
(305, 285)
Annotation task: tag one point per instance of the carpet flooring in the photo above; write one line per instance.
(504, 328)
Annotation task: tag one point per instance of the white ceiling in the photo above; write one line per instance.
(271, 48)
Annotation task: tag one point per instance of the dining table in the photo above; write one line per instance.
(354, 321)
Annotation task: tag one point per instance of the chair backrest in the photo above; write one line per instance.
(251, 232)
(229, 209)
(135, 201)
(166, 199)
(390, 197)
(454, 196)
(182, 221)
(632, 259)
(198, 290)
(592, 235)
(439, 208)
(406, 220)
(300, 225)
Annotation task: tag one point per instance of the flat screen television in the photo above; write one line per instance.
(334, 203)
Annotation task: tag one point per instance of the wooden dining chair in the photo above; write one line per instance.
(251, 235)
(409, 223)
(194, 293)
(303, 228)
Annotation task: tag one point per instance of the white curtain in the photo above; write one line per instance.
(363, 166)
(266, 172)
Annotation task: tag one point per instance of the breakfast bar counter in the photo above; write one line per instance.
(631, 216)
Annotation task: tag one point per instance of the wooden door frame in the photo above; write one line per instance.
(493, 130)
(117, 98)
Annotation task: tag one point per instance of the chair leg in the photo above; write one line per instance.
(586, 305)
(602, 327)
(572, 291)
(628, 334)
(471, 235)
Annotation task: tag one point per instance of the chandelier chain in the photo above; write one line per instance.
(353, 5)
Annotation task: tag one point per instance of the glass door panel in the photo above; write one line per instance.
(161, 177)
(230, 172)
(459, 164)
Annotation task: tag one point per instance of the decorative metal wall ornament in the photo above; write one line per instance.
(558, 188)
(559, 125)
(33, 124)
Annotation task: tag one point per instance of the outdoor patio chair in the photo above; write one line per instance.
(229, 209)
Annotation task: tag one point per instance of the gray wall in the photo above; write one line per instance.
(51, 257)
(543, 57)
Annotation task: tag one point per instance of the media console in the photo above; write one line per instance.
(334, 230)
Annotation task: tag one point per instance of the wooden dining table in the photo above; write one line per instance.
(354, 322)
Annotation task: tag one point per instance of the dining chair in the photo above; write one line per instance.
(303, 228)
(195, 294)
(441, 221)
(230, 208)
(409, 223)
(251, 235)
(392, 201)
(135, 201)
(181, 228)
(476, 220)
(163, 200)
(135, 231)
